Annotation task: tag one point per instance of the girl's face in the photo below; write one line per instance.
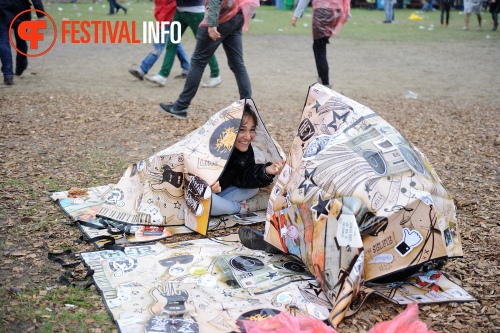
(246, 134)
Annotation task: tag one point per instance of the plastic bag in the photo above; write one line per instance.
(407, 322)
(287, 323)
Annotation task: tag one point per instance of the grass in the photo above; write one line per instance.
(61, 309)
(365, 25)
(34, 308)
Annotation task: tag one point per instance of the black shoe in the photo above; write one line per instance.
(125, 9)
(181, 76)
(169, 108)
(387, 21)
(254, 239)
(8, 79)
(20, 70)
(136, 73)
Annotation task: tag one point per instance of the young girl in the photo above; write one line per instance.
(242, 177)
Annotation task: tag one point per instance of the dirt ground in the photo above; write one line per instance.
(77, 100)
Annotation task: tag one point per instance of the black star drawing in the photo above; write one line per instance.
(306, 185)
(321, 208)
(314, 288)
(316, 106)
(271, 275)
(336, 117)
(310, 175)
(177, 205)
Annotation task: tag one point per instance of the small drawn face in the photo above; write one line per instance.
(246, 134)
(292, 232)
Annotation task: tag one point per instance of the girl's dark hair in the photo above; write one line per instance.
(247, 111)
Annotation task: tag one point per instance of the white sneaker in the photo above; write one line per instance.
(212, 82)
(158, 79)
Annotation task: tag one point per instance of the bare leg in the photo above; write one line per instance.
(467, 18)
(479, 20)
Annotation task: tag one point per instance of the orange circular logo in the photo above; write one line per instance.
(30, 32)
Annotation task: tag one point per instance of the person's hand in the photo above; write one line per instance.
(213, 33)
(294, 21)
(215, 187)
(275, 168)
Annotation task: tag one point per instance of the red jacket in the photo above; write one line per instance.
(164, 10)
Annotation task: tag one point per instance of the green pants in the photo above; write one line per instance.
(186, 20)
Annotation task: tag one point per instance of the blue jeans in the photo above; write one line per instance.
(231, 40)
(5, 50)
(156, 51)
(389, 10)
(228, 201)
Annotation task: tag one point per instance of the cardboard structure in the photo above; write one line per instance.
(356, 201)
(162, 189)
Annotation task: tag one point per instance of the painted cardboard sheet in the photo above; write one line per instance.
(83, 207)
(356, 200)
(168, 188)
(203, 285)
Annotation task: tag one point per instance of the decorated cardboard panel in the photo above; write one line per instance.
(169, 188)
(82, 206)
(204, 285)
(357, 201)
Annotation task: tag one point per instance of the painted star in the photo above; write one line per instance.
(321, 208)
(315, 289)
(271, 275)
(306, 185)
(336, 117)
(316, 106)
(310, 175)
(177, 205)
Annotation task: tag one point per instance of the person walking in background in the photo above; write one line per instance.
(494, 8)
(389, 10)
(428, 6)
(164, 11)
(9, 9)
(189, 13)
(472, 7)
(114, 4)
(223, 24)
(328, 18)
(445, 9)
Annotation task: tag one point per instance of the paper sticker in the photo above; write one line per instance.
(458, 293)
(285, 174)
(348, 231)
(438, 296)
(382, 258)
(411, 239)
(313, 311)
(425, 197)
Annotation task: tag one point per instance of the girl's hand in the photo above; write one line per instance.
(216, 187)
(275, 168)
(294, 21)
